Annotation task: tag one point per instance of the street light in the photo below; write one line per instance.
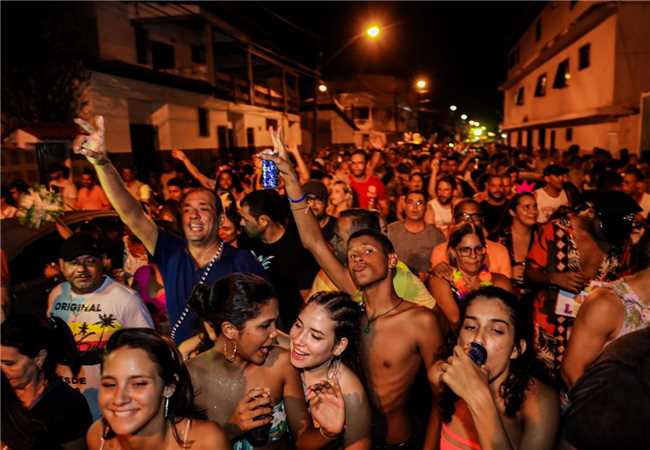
(421, 84)
(373, 31)
(453, 108)
(322, 87)
(463, 116)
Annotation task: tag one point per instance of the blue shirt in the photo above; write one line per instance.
(180, 274)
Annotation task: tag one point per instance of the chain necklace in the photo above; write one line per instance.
(204, 276)
(366, 328)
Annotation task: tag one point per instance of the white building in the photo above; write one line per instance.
(578, 76)
(171, 75)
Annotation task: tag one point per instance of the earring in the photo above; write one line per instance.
(166, 407)
(234, 351)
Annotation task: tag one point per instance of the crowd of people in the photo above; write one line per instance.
(437, 295)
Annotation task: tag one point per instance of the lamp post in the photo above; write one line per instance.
(372, 32)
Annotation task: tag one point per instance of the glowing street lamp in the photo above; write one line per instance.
(421, 84)
(373, 31)
(463, 116)
(477, 123)
(453, 108)
(322, 87)
(477, 132)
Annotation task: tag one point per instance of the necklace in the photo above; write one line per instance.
(204, 276)
(366, 328)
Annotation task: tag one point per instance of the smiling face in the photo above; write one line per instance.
(470, 254)
(313, 341)
(84, 273)
(255, 340)
(489, 322)
(132, 392)
(367, 262)
(199, 217)
(526, 210)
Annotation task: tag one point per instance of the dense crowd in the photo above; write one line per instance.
(438, 295)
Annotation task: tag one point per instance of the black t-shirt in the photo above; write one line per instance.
(64, 412)
(328, 229)
(291, 267)
(492, 215)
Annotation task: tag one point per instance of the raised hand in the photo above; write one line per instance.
(327, 406)
(279, 155)
(92, 144)
(178, 154)
(463, 376)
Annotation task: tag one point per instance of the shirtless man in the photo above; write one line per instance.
(398, 337)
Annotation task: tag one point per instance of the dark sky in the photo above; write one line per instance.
(460, 46)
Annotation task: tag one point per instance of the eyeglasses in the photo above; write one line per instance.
(415, 203)
(469, 217)
(471, 251)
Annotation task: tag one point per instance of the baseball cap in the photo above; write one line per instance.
(555, 169)
(79, 244)
(316, 190)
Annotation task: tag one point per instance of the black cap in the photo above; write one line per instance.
(79, 244)
(555, 169)
(612, 203)
(315, 189)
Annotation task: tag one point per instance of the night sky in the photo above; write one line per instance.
(460, 46)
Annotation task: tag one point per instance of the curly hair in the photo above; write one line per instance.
(520, 372)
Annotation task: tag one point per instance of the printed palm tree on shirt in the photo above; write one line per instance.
(83, 333)
(105, 321)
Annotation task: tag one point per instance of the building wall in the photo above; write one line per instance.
(632, 53)
(588, 89)
(116, 36)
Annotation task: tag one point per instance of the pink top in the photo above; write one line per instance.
(451, 441)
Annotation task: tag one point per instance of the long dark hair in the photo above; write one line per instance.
(235, 298)
(30, 334)
(346, 314)
(520, 373)
(172, 370)
(507, 219)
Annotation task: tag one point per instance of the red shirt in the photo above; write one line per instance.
(366, 190)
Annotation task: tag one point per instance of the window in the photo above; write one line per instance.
(362, 112)
(519, 98)
(562, 75)
(271, 123)
(204, 126)
(568, 134)
(222, 136)
(540, 88)
(538, 30)
(541, 138)
(250, 137)
(198, 54)
(162, 55)
(141, 45)
(583, 56)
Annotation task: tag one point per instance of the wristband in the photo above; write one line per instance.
(296, 200)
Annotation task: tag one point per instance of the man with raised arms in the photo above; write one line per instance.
(398, 337)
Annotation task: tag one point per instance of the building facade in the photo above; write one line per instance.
(578, 75)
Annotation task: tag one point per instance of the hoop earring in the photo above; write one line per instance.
(166, 406)
(234, 351)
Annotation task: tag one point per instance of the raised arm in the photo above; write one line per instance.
(206, 182)
(127, 207)
(303, 170)
(435, 165)
(308, 228)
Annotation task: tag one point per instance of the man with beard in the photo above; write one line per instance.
(91, 196)
(317, 196)
(398, 337)
(439, 209)
(370, 190)
(94, 306)
(277, 247)
(569, 253)
(494, 208)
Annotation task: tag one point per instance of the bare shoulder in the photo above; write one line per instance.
(541, 401)
(419, 315)
(208, 436)
(350, 383)
(201, 362)
(601, 308)
(94, 435)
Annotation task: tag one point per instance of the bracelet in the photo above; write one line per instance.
(296, 200)
(325, 435)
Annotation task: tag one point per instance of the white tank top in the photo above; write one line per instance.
(443, 214)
